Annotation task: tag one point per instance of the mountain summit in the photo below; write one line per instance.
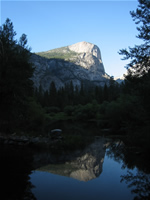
(80, 62)
(86, 47)
(86, 52)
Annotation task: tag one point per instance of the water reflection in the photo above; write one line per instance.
(138, 182)
(88, 174)
(106, 169)
(84, 165)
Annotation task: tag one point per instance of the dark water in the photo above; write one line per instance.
(94, 173)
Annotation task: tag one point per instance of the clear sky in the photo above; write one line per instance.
(53, 24)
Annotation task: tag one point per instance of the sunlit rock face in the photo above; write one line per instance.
(86, 47)
(89, 165)
(85, 166)
(89, 56)
(80, 62)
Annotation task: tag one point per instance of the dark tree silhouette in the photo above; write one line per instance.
(15, 74)
(140, 54)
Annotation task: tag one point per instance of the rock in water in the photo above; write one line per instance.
(80, 62)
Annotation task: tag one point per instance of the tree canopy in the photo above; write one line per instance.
(140, 54)
(15, 76)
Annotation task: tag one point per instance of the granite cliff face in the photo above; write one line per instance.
(80, 62)
(89, 56)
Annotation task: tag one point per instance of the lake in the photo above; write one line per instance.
(103, 170)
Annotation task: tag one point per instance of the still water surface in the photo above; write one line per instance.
(94, 173)
(106, 186)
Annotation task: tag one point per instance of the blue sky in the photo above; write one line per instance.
(53, 24)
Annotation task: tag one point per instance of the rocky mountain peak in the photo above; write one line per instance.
(80, 62)
(86, 47)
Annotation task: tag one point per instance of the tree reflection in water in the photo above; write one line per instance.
(140, 182)
(17, 163)
(130, 158)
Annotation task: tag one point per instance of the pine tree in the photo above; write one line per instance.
(140, 54)
(15, 76)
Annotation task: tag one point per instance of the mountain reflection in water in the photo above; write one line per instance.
(105, 170)
(84, 166)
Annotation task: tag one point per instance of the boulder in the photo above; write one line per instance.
(56, 134)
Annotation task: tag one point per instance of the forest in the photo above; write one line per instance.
(123, 109)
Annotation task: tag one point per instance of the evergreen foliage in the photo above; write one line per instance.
(140, 54)
(71, 96)
(15, 77)
(138, 78)
(137, 83)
